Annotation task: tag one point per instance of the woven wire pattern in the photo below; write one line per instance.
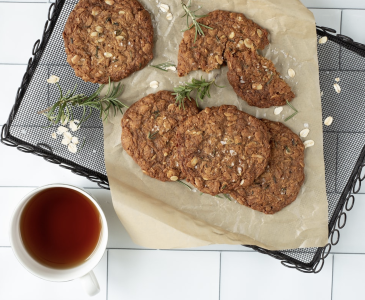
(343, 140)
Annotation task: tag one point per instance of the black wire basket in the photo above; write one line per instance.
(344, 140)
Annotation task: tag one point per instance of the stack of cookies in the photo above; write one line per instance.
(260, 163)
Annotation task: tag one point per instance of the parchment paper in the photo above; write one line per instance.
(168, 215)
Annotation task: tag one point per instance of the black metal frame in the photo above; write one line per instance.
(337, 222)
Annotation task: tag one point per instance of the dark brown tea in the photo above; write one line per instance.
(60, 227)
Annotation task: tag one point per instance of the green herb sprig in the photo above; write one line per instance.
(163, 66)
(201, 86)
(193, 16)
(293, 108)
(62, 110)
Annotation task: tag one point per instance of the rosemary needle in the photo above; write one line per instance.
(183, 183)
(193, 16)
(152, 135)
(201, 86)
(293, 108)
(163, 66)
(227, 197)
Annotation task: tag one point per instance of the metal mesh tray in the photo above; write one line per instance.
(343, 140)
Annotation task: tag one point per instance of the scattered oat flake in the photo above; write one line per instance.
(328, 121)
(323, 40)
(75, 140)
(67, 135)
(65, 141)
(73, 126)
(61, 130)
(53, 79)
(308, 143)
(278, 110)
(304, 132)
(169, 16)
(72, 148)
(154, 84)
(54, 135)
(291, 73)
(171, 68)
(337, 88)
(321, 93)
(164, 7)
(337, 79)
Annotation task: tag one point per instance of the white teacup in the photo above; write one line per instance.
(83, 271)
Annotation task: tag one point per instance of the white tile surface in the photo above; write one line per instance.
(118, 236)
(255, 276)
(348, 277)
(19, 284)
(334, 3)
(23, 169)
(353, 24)
(350, 241)
(9, 198)
(163, 275)
(10, 77)
(328, 17)
(22, 33)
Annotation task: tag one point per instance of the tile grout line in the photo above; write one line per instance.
(333, 265)
(220, 272)
(107, 273)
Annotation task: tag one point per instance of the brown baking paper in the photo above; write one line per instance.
(169, 215)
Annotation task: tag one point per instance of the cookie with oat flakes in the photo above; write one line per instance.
(149, 134)
(280, 184)
(207, 52)
(255, 79)
(222, 148)
(108, 38)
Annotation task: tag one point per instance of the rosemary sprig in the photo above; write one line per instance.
(183, 183)
(193, 16)
(163, 66)
(201, 86)
(63, 109)
(293, 108)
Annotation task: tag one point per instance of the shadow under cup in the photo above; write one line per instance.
(59, 232)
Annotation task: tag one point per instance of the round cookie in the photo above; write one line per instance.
(255, 79)
(108, 38)
(149, 134)
(207, 52)
(222, 148)
(280, 184)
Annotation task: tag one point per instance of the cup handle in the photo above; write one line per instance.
(90, 284)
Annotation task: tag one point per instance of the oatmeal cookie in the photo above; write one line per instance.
(149, 134)
(207, 53)
(280, 184)
(108, 38)
(222, 148)
(255, 79)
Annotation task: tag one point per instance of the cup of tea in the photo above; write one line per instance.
(59, 233)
